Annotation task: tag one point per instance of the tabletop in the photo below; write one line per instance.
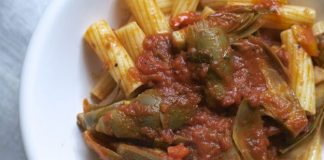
(18, 19)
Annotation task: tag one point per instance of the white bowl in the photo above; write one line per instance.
(58, 73)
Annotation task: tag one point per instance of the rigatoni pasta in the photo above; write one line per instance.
(165, 5)
(302, 72)
(131, 36)
(179, 38)
(319, 74)
(219, 3)
(318, 28)
(182, 6)
(104, 86)
(149, 16)
(289, 15)
(115, 57)
(207, 11)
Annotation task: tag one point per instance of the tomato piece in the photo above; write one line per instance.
(304, 36)
(184, 20)
(178, 152)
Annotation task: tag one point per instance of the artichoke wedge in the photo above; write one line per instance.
(320, 95)
(280, 103)
(278, 100)
(129, 152)
(237, 21)
(314, 125)
(88, 120)
(126, 121)
(140, 118)
(211, 46)
(103, 152)
(248, 123)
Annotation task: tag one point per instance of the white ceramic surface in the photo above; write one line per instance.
(58, 72)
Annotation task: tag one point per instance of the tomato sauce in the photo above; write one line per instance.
(248, 77)
(227, 18)
(210, 133)
(184, 20)
(168, 72)
(305, 37)
(181, 82)
(258, 144)
(272, 5)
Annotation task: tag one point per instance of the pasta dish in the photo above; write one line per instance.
(207, 80)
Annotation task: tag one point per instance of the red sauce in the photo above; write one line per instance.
(258, 144)
(184, 20)
(180, 83)
(305, 37)
(169, 73)
(248, 77)
(272, 5)
(135, 109)
(226, 18)
(270, 36)
(283, 56)
(178, 152)
(134, 73)
(210, 133)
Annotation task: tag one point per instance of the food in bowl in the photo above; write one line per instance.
(207, 79)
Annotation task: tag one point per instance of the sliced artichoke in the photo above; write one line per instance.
(88, 120)
(127, 120)
(237, 21)
(103, 152)
(247, 121)
(129, 152)
(176, 116)
(278, 101)
(281, 104)
(211, 46)
(314, 124)
(132, 119)
(320, 95)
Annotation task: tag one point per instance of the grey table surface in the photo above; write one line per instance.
(18, 19)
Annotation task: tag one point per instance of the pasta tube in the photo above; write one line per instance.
(318, 28)
(313, 151)
(320, 95)
(319, 75)
(181, 6)
(318, 31)
(301, 68)
(165, 5)
(179, 39)
(219, 3)
(131, 19)
(104, 86)
(108, 48)
(132, 37)
(149, 16)
(289, 15)
(207, 11)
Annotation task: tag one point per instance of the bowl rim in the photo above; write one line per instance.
(28, 67)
